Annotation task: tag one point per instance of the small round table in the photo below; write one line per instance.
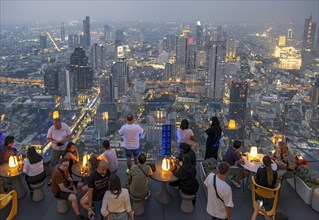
(14, 175)
(164, 197)
(76, 170)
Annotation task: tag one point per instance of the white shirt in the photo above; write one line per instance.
(131, 135)
(110, 156)
(184, 136)
(112, 203)
(215, 207)
(59, 135)
(33, 169)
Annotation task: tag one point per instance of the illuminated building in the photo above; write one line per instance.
(231, 47)
(289, 57)
(119, 79)
(43, 41)
(238, 100)
(216, 52)
(289, 34)
(314, 96)
(98, 58)
(168, 71)
(62, 30)
(66, 88)
(181, 56)
(83, 74)
(86, 32)
(51, 83)
(309, 33)
(282, 41)
(199, 35)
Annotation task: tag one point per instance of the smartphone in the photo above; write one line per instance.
(261, 203)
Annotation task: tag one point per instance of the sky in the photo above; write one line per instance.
(226, 11)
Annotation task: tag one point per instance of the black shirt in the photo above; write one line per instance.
(99, 184)
(261, 178)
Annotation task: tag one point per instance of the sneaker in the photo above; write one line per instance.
(127, 171)
(235, 183)
(148, 195)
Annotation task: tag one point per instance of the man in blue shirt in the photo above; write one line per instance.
(7, 150)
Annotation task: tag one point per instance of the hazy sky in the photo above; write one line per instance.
(13, 11)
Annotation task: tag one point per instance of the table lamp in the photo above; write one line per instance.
(13, 161)
(165, 164)
(253, 152)
(231, 124)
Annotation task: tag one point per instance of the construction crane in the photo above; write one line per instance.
(56, 46)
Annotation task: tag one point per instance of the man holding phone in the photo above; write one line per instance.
(58, 134)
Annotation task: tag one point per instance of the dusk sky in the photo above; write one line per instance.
(24, 11)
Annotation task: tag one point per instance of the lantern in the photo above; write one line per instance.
(55, 114)
(85, 160)
(231, 124)
(253, 152)
(13, 161)
(165, 164)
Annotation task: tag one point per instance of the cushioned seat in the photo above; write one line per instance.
(138, 205)
(62, 206)
(38, 193)
(187, 203)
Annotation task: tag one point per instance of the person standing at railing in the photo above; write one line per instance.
(184, 134)
(58, 134)
(131, 134)
(212, 142)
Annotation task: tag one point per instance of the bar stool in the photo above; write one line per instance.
(138, 205)
(62, 206)
(187, 203)
(38, 193)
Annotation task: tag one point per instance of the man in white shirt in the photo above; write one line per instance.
(58, 135)
(219, 202)
(131, 134)
(109, 155)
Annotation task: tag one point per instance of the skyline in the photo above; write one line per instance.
(108, 11)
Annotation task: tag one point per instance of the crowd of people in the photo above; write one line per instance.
(101, 194)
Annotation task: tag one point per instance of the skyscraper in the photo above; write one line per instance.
(231, 49)
(199, 35)
(83, 74)
(309, 33)
(119, 78)
(98, 57)
(289, 34)
(43, 41)
(238, 100)
(119, 38)
(314, 95)
(62, 30)
(107, 32)
(86, 32)
(51, 83)
(216, 52)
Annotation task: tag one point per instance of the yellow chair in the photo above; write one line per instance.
(266, 193)
(5, 200)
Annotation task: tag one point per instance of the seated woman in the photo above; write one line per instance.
(71, 153)
(186, 149)
(187, 177)
(116, 201)
(265, 176)
(33, 168)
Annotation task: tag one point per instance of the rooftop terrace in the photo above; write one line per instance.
(289, 201)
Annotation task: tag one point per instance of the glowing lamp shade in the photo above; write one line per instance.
(253, 152)
(13, 161)
(55, 114)
(231, 124)
(105, 115)
(165, 164)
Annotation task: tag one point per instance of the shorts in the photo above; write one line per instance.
(62, 195)
(130, 153)
(55, 157)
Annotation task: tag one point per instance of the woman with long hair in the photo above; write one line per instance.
(184, 134)
(265, 175)
(33, 167)
(213, 136)
(116, 202)
(71, 153)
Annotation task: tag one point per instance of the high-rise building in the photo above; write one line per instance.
(83, 74)
(119, 79)
(282, 40)
(216, 53)
(107, 33)
(86, 32)
(51, 83)
(181, 57)
(119, 38)
(168, 71)
(66, 88)
(43, 41)
(62, 30)
(315, 93)
(199, 35)
(238, 101)
(105, 89)
(309, 33)
(289, 34)
(231, 50)
(98, 56)
(169, 42)
(160, 46)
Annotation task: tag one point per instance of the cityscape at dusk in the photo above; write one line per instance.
(91, 63)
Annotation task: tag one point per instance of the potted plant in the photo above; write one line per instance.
(205, 168)
(306, 180)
